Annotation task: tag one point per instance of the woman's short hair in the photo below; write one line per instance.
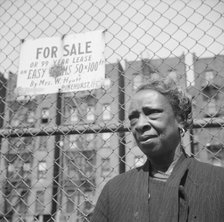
(179, 100)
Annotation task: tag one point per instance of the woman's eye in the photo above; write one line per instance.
(132, 119)
(149, 112)
(133, 116)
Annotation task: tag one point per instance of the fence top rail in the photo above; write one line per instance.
(62, 130)
(85, 129)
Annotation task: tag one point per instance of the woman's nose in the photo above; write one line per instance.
(142, 124)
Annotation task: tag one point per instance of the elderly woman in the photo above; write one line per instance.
(170, 186)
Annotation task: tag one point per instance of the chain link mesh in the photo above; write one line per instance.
(59, 150)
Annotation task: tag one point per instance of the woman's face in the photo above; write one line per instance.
(153, 123)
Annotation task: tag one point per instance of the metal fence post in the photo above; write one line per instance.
(121, 116)
(56, 165)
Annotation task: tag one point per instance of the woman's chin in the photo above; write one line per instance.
(149, 148)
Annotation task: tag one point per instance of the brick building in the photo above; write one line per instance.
(3, 84)
(208, 105)
(87, 160)
(26, 162)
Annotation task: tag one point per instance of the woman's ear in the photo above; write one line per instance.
(182, 132)
(181, 127)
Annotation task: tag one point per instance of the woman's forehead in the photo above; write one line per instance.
(148, 97)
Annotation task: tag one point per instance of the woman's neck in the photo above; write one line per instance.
(165, 163)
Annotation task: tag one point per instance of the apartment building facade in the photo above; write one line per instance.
(208, 98)
(87, 160)
(26, 162)
(3, 84)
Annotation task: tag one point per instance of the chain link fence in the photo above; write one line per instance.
(59, 150)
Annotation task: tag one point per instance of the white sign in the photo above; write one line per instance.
(72, 63)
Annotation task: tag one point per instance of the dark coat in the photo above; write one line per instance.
(193, 193)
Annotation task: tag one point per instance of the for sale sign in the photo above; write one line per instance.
(66, 64)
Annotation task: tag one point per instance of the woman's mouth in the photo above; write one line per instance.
(144, 139)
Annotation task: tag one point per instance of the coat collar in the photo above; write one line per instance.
(171, 192)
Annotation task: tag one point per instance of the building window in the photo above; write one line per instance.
(15, 122)
(209, 77)
(74, 115)
(28, 141)
(40, 202)
(106, 112)
(138, 161)
(90, 113)
(42, 170)
(89, 137)
(87, 162)
(45, 115)
(137, 80)
(107, 84)
(106, 136)
(212, 107)
(31, 117)
(23, 202)
(105, 167)
(12, 162)
(73, 141)
(70, 203)
(26, 169)
(72, 166)
(172, 74)
(73, 171)
(17, 143)
(106, 139)
(43, 142)
(11, 169)
(88, 208)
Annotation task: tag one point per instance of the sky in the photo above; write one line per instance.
(135, 29)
